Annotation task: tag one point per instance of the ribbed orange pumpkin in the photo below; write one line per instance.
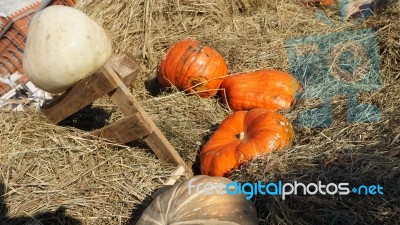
(193, 67)
(243, 136)
(270, 89)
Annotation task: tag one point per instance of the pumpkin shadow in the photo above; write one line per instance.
(196, 164)
(138, 210)
(3, 206)
(88, 118)
(57, 217)
(154, 87)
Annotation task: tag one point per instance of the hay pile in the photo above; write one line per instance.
(45, 168)
(105, 184)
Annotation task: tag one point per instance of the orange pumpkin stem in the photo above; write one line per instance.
(241, 135)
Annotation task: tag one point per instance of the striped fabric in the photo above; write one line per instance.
(4, 88)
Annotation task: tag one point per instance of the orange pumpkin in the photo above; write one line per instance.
(243, 136)
(270, 89)
(327, 2)
(193, 67)
(320, 2)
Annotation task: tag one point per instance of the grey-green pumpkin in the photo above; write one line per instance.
(182, 204)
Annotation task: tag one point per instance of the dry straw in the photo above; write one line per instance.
(44, 166)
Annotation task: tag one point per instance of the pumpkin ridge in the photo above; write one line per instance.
(167, 62)
(282, 134)
(254, 118)
(226, 164)
(164, 67)
(176, 49)
(209, 159)
(250, 126)
(181, 63)
(246, 157)
(255, 131)
(216, 149)
(286, 130)
(221, 72)
(185, 78)
(161, 211)
(260, 146)
(226, 135)
(174, 58)
(205, 221)
(219, 75)
(197, 53)
(173, 196)
(147, 218)
(193, 56)
(202, 70)
(185, 202)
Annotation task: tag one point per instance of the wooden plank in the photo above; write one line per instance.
(125, 67)
(79, 96)
(164, 150)
(156, 140)
(90, 89)
(125, 130)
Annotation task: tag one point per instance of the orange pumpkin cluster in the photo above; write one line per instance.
(255, 128)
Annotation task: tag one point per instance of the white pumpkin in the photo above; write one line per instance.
(64, 46)
(179, 205)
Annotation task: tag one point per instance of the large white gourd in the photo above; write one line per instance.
(63, 46)
(179, 205)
